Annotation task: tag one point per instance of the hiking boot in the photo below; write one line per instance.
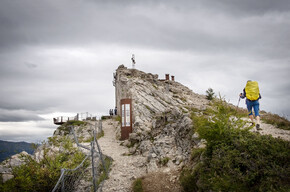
(258, 127)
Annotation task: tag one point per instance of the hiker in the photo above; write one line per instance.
(111, 112)
(115, 110)
(252, 94)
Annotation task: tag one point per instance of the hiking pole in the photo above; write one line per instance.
(238, 102)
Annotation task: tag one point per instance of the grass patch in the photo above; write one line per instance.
(276, 120)
(99, 135)
(155, 86)
(104, 175)
(88, 140)
(164, 161)
(137, 185)
(118, 118)
(76, 123)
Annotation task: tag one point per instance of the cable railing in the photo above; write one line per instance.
(85, 177)
(70, 178)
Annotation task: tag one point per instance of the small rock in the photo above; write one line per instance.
(195, 138)
(6, 177)
(133, 178)
(127, 143)
(132, 150)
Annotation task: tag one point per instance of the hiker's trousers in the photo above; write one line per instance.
(253, 105)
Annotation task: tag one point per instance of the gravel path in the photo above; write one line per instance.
(125, 169)
(268, 129)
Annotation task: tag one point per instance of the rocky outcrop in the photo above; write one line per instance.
(83, 132)
(53, 146)
(7, 165)
(162, 128)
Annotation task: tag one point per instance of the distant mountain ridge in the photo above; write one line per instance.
(8, 148)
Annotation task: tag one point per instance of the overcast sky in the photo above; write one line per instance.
(57, 57)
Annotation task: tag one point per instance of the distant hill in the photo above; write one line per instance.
(8, 149)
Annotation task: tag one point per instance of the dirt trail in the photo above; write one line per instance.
(125, 169)
(268, 129)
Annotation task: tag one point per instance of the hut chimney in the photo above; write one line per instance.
(167, 77)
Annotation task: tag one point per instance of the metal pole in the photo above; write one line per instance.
(101, 156)
(76, 139)
(59, 180)
(62, 181)
(100, 125)
(93, 166)
(238, 102)
(96, 125)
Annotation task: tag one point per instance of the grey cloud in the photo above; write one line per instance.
(31, 65)
(52, 86)
(18, 116)
(152, 24)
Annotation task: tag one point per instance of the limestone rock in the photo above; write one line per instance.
(7, 165)
(6, 177)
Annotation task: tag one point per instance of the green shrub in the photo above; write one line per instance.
(197, 152)
(236, 159)
(210, 94)
(64, 129)
(188, 180)
(75, 122)
(42, 175)
(164, 161)
(99, 135)
(118, 118)
(137, 185)
(105, 117)
(53, 141)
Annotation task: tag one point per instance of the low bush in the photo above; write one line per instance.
(43, 175)
(118, 118)
(276, 120)
(137, 185)
(75, 122)
(210, 94)
(236, 159)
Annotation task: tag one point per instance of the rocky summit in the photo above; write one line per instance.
(160, 111)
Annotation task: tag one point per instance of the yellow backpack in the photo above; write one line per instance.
(252, 90)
